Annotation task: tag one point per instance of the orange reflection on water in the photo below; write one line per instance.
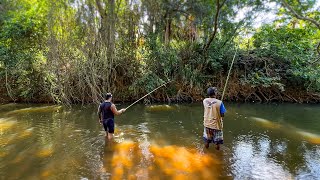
(267, 123)
(170, 161)
(160, 108)
(53, 108)
(45, 152)
(26, 133)
(314, 140)
(182, 163)
(46, 173)
(310, 137)
(3, 153)
(122, 159)
(6, 124)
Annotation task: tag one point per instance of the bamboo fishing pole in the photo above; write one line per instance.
(225, 85)
(147, 95)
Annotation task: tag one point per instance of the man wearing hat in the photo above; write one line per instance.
(106, 112)
(214, 111)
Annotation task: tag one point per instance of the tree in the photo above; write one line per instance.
(305, 17)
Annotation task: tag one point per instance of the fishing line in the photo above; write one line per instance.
(148, 94)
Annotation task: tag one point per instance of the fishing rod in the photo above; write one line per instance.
(147, 94)
(225, 85)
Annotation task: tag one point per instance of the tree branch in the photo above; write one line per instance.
(102, 11)
(215, 29)
(298, 16)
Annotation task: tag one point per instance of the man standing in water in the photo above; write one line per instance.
(214, 111)
(106, 112)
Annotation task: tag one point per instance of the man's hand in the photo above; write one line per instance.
(123, 110)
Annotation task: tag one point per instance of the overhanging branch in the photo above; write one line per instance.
(299, 16)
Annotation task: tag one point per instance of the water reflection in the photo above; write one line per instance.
(129, 160)
(35, 110)
(40, 143)
(182, 163)
(45, 151)
(289, 130)
(6, 124)
(252, 161)
(160, 108)
(122, 160)
(266, 123)
(311, 170)
(310, 137)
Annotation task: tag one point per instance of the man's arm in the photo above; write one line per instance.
(222, 110)
(115, 111)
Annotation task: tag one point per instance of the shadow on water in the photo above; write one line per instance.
(159, 142)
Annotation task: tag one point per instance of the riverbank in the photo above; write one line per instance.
(236, 92)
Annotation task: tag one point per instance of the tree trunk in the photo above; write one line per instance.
(111, 35)
(104, 23)
(216, 18)
(167, 32)
(152, 23)
(107, 29)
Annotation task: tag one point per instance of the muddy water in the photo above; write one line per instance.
(159, 142)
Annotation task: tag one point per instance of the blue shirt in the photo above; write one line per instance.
(222, 109)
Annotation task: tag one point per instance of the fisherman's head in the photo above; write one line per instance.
(108, 97)
(212, 91)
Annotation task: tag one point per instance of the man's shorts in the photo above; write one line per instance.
(108, 125)
(214, 136)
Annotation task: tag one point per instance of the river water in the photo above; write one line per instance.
(262, 141)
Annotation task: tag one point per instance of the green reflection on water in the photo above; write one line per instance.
(261, 141)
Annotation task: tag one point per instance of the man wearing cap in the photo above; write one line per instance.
(106, 112)
(214, 111)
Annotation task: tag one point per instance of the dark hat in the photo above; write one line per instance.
(108, 96)
(212, 91)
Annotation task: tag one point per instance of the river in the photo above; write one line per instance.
(262, 141)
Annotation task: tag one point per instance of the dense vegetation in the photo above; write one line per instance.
(72, 51)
